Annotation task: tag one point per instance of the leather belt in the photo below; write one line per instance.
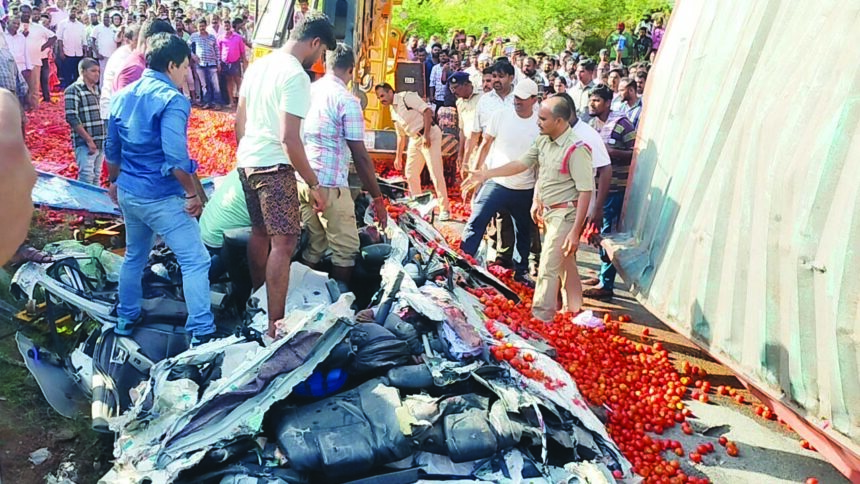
(571, 204)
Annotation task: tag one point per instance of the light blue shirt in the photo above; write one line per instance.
(148, 137)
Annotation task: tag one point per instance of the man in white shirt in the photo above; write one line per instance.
(508, 136)
(39, 40)
(45, 72)
(273, 101)
(104, 43)
(58, 13)
(460, 83)
(72, 40)
(114, 65)
(581, 90)
(17, 45)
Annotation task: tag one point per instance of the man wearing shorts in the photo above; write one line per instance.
(273, 101)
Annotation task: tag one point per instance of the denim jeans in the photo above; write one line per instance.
(495, 198)
(89, 166)
(144, 219)
(209, 84)
(611, 214)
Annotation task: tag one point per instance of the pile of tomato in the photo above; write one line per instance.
(211, 140)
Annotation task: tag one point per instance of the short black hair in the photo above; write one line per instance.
(487, 70)
(602, 91)
(342, 57)
(629, 81)
(157, 26)
(86, 63)
(587, 64)
(617, 70)
(503, 68)
(437, 44)
(315, 26)
(563, 109)
(384, 86)
(562, 78)
(163, 48)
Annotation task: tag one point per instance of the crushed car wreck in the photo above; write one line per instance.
(399, 380)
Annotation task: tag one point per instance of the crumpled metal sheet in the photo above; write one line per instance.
(152, 446)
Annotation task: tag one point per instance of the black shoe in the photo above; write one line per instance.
(524, 279)
(507, 264)
(197, 340)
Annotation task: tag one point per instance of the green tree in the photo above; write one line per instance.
(536, 24)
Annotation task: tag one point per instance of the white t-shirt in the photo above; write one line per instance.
(104, 39)
(74, 38)
(274, 84)
(37, 38)
(512, 138)
(599, 153)
(114, 65)
(488, 105)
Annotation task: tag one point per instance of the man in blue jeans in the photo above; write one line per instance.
(152, 179)
(88, 129)
(204, 48)
(510, 133)
(619, 136)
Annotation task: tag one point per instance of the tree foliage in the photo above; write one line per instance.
(536, 24)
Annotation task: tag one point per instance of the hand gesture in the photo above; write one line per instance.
(427, 139)
(398, 162)
(91, 147)
(193, 206)
(571, 244)
(319, 200)
(473, 182)
(537, 212)
(112, 194)
(380, 212)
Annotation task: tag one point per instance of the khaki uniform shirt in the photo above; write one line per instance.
(561, 178)
(407, 112)
(467, 109)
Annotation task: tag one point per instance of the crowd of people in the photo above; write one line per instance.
(502, 103)
(545, 141)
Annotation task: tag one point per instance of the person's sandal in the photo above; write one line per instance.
(598, 293)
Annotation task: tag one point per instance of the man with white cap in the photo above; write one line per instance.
(509, 135)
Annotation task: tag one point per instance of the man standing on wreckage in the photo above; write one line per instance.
(152, 180)
(273, 102)
(561, 199)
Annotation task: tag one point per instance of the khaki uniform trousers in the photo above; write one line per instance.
(334, 228)
(556, 272)
(417, 155)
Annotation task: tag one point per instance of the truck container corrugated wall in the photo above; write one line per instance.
(741, 228)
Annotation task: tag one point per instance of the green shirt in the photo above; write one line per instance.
(226, 210)
(612, 44)
(561, 178)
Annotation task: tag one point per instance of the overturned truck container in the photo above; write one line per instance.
(742, 217)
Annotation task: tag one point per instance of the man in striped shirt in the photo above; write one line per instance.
(334, 129)
(630, 103)
(204, 54)
(618, 135)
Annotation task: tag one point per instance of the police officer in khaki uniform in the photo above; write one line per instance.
(564, 186)
(413, 120)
